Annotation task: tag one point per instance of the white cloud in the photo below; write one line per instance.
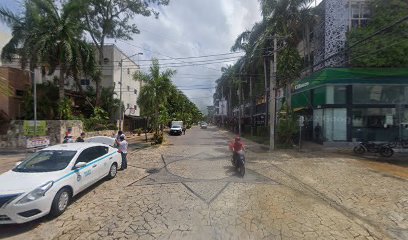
(194, 28)
(191, 28)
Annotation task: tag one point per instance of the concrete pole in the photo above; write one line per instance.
(222, 106)
(239, 110)
(272, 93)
(266, 94)
(35, 102)
(120, 95)
(251, 102)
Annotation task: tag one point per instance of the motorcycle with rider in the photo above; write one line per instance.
(238, 155)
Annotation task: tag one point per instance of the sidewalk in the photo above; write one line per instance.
(400, 157)
(9, 157)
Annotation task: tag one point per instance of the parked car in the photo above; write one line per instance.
(47, 180)
(204, 125)
(176, 130)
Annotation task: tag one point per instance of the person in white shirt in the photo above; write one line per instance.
(123, 146)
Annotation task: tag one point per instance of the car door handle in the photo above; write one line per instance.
(110, 158)
(94, 166)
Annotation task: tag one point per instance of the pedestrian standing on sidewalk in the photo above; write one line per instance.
(81, 138)
(184, 130)
(123, 146)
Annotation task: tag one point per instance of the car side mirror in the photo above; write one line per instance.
(17, 163)
(80, 165)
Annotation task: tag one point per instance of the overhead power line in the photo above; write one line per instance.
(161, 54)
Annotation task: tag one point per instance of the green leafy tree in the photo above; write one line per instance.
(155, 92)
(111, 19)
(389, 49)
(50, 37)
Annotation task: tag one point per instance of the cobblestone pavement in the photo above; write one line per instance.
(187, 189)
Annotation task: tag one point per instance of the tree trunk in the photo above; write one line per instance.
(61, 84)
(289, 95)
(98, 79)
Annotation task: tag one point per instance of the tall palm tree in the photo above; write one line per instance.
(46, 35)
(287, 18)
(155, 93)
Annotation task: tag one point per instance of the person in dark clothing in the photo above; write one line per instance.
(184, 130)
(317, 132)
(81, 138)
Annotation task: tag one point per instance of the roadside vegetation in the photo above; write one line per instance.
(161, 102)
(293, 22)
(52, 35)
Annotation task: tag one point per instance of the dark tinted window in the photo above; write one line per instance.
(100, 151)
(46, 161)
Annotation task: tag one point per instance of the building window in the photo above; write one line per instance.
(19, 93)
(336, 95)
(359, 14)
(380, 94)
(128, 105)
(135, 107)
(135, 91)
(128, 88)
(85, 82)
(128, 70)
(378, 124)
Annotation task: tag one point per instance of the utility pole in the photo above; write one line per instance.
(272, 94)
(239, 111)
(222, 106)
(120, 94)
(35, 102)
(251, 102)
(266, 94)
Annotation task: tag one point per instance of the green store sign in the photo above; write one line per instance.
(29, 128)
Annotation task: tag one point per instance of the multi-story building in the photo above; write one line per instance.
(14, 83)
(112, 75)
(349, 104)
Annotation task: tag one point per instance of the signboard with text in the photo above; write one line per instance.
(36, 142)
(29, 128)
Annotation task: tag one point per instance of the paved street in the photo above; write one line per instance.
(187, 189)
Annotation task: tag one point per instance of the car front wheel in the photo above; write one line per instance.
(60, 202)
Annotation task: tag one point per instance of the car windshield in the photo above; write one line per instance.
(46, 161)
(176, 126)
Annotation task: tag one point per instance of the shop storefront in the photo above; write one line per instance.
(344, 105)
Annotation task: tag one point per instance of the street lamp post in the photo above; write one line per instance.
(120, 87)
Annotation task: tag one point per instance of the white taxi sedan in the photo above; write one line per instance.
(46, 181)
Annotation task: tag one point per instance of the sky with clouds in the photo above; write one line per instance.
(185, 28)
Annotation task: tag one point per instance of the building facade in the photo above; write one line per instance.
(111, 78)
(14, 83)
(343, 104)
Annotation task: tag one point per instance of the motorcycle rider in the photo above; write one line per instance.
(236, 146)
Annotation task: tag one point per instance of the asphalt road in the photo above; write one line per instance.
(187, 189)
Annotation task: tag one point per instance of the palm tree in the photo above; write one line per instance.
(155, 93)
(287, 18)
(47, 36)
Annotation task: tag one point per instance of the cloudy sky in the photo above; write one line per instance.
(186, 28)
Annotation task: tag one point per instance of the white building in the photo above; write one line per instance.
(111, 77)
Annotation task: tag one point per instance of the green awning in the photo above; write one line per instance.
(301, 100)
(353, 76)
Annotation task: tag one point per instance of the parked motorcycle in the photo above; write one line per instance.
(238, 161)
(383, 149)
